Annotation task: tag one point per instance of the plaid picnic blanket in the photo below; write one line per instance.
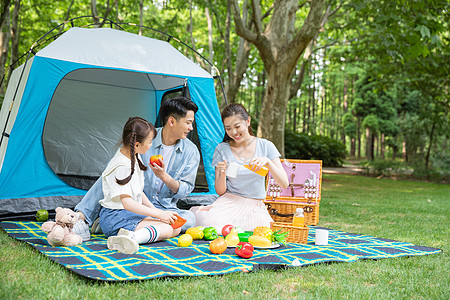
(93, 260)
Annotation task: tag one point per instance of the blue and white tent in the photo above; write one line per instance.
(64, 110)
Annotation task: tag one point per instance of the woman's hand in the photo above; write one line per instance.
(222, 167)
(258, 162)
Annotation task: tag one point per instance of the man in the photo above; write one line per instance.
(164, 185)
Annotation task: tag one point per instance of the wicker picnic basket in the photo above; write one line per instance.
(298, 235)
(282, 211)
(304, 190)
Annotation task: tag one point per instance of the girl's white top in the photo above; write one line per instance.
(120, 167)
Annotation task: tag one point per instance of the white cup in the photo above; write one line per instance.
(232, 169)
(321, 237)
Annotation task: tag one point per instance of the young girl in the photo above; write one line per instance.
(240, 202)
(127, 217)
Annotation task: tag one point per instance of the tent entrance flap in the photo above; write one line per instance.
(86, 115)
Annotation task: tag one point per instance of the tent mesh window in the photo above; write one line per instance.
(85, 118)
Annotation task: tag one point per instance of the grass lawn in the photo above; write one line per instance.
(408, 211)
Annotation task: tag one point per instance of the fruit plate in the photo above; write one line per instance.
(273, 246)
(227, 245)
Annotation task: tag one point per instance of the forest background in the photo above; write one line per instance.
(322, 79)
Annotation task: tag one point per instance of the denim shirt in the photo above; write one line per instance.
(182, 167)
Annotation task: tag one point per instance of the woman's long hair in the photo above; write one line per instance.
(235, 109)
(135, 130)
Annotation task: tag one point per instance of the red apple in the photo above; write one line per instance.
(155, 160)
(226, 229)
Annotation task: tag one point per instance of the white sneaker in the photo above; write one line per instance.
(124, 243)
(126, 232)
(82, 229)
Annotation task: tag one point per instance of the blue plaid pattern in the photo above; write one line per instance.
(93, 260)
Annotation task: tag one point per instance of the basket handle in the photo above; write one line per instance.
(274, 212)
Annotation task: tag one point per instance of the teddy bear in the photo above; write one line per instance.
(60, 233)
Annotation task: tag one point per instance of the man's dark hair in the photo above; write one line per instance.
(176, 107)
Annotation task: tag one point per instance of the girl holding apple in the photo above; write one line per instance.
(127, 216)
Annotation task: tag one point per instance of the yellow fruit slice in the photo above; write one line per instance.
(259, 241)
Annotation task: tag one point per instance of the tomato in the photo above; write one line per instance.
(218, 246)
(226, 229)
(195, 232)
(156, 159)
(184, 240)
(178, 222)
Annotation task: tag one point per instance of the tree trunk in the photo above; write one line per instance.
(191, 29)
(95, 18)
(303, 110)
(210, 38)
(15, 35)
(280, 47)
(141, 15)
(236, 74)
(427, 157)
(322, 110)
(369, 144)
(5, 35)
(404, 155)
(358, 133)
(272, 121)
(382, 146)
(344, 107)
(353, 147)
(308, 103)
(294, 117)
(67, 16)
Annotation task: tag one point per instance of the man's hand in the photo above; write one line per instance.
(159, 171)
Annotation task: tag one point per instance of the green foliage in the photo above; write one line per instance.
(303, 146)
(371, 121)
(388, 59)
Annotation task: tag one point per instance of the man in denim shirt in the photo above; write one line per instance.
(163, 185)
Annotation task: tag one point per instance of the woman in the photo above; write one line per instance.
(241, 196)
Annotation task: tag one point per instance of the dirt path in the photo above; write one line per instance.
(345, 169)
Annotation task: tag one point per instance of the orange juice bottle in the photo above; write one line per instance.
(299, 218)
(263, 171)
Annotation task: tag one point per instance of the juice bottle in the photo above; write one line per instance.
(263, 171)
(299, 218)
